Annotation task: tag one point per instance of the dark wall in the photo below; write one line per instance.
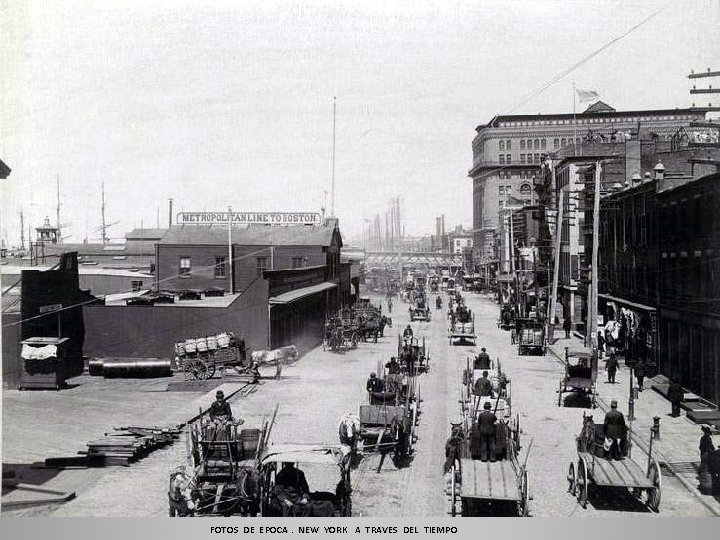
(151, 331)
(11, 362)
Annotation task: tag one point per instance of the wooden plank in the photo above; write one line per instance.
(489, 480)
(618, 473)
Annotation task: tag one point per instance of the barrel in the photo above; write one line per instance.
(136, 368)
(250, 438)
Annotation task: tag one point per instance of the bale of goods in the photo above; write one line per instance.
(212, 343)
(136, 368)
(469, 328)
(180, 349)
(202, 345)
(190, 346)
(223, 340)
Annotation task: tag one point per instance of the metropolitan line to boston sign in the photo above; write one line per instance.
(244, 218)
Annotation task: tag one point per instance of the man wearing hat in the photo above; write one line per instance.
(220, 409)
(483, 386)
(615, 431)
(374, 384)
(706, 445)
(482, 361)
(393, 366)
(486, 431)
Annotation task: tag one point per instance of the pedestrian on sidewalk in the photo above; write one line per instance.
(675, 395)
(611, 365)
(640, 374)
(706, 446)
(567, 325)
(601, 344)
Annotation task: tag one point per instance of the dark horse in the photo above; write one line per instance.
(375, 327)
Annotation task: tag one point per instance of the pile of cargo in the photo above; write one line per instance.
(205, 344)
(126, 445)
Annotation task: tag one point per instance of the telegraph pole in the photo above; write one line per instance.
(556, 265)
(332, 188)
(592, 326)
(57, 211)
(230, 250)
(102, 210)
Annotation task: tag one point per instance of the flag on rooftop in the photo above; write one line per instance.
(587, 95)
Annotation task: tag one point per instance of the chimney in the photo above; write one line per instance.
(659, 171)
(636, 179)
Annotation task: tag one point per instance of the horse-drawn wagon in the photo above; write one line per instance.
(462, 332)
(530, 336)
(581, 366)
(500, 394)
(199, 358)
(493, 481)
(413, 357)
(222, 474)
(594, 468)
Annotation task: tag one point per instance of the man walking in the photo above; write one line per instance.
(611, 365)
(567, 325)
(640, 374)
(675, 395)
(614, 430)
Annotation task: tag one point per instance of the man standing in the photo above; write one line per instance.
(640, 374)
(486, 430)
(567, 325)
(374, 384)
(483, 386)
(611, 366)
(408, 333)
(675, 395)
(393, 366)
(614, 430)
(482, 361)
(706, 446)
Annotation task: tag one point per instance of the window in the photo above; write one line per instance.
(543, 144)
(220, 267)
(522, 158)
(508, 158)
(522, 144)
(525, 189)
(261, 264)
(501, 191)
(556, 143)
(563, 142)
(185, 267)
(502, 159)
(502, 145)
(136, 285)
(298, 262)
(508, 145)
(536, 144)
(536, 158)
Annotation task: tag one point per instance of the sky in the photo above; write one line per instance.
(230, 103)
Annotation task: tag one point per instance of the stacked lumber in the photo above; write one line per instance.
(126, 445)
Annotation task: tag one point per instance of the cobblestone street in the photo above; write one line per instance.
(315, 392)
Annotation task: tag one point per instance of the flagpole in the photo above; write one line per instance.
(574, 121)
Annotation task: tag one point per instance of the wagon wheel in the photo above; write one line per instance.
(205, 369)
(572, 479)
(654, 493)
(524, 494)
(582, 483)
(192, 368)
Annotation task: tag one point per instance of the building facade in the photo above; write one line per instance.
(508, 152)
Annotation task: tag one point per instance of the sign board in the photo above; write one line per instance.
(246, 218)
(50, 308)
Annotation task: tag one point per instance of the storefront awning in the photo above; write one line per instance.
(292, 296)
(626, 302)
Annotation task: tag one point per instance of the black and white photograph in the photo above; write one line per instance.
(360, 259)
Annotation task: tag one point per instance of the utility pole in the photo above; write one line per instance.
(57, 211)
(593, 312)
(170, 206)
(230, 250)
(332, 188)
(22, 231)
(102, 210)
(556, 265)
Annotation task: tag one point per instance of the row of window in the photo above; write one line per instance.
(505, 159)
(600, 120)
(504, 190)
(537, 144)
(523, 174)
(220, 267)
(532, 158)
(506, 145)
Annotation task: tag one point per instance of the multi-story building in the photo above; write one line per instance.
(508, 152)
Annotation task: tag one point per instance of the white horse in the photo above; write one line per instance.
(349, 431)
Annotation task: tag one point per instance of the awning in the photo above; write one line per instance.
(291, 296)
(626, 302)
(505, 278)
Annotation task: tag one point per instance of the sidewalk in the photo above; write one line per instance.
(677, 448)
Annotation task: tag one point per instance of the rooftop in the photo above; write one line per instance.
(145, 234)
(253, 235)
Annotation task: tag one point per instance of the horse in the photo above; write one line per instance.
(375, 327)
(180, 501)
(349, 431)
